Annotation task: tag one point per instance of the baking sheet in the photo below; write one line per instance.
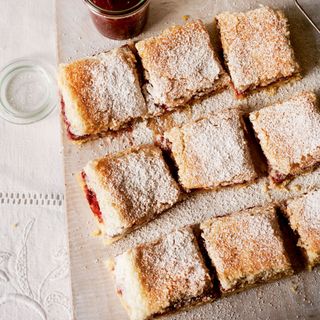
(93, 292)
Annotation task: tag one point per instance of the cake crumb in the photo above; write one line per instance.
(272, 90)
(294, 288)
(186, 17)
(96, 233)
(298, 187)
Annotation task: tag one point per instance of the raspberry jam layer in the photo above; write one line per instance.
(163, 143)
(239, 94)
(278, 177)
(92, 199)
(67, 123)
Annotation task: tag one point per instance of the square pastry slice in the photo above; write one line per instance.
(129, 188)
(246, 248)
(289, 135)
(162, 276)
(101, 93)
(256, 48)
(304, 218)
(180, 64)
(212, 151)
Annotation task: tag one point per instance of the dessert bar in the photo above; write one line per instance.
(180, 64)
(256, 48)
(212, 151)
(162, 276)
(101, 93)
(246, 248)
(304, 218)
(289, 133)
(127, 189)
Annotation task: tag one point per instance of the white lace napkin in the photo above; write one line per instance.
(34, 273)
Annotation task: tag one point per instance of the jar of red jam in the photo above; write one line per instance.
(119, 19)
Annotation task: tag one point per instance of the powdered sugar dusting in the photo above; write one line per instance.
(172, 269)
(212, 151)
(114, 90)
(312, 210)
(105, 89)
(244, 245)
(218, 102)
(262, 302)
(304, 216)
(289, 132)
(179, 64)
(139, 183)
(257, 47)
(200, 206)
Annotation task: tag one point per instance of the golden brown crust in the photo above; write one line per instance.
(180, 64)
(101, 92)
(256, 47)
(76, 77)
(131, 188)
(212, 151)
(246, 248)
(304, 218)
(288, 133)
(186, 114)
(171, 272)
(108, 169)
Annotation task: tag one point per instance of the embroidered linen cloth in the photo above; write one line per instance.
(34, 270)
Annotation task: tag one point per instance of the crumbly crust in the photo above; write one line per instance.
(246, 248)
(256, 47)
(180, 64)
(171, 273)
(304, 217)
(212, 151)
(131, 187)
(289, 135)
(101, 92)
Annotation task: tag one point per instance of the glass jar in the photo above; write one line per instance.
(28, 91)
(119, 22)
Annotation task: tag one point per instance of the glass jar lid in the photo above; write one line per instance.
(28, 91)
(120, 12)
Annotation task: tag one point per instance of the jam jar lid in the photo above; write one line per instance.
(99, 9)
(28, 91)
